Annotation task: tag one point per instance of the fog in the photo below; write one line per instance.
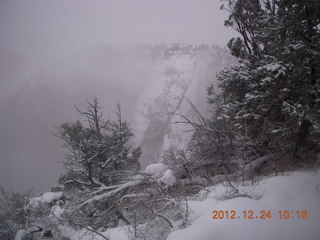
(50, 59)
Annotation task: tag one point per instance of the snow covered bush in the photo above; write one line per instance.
(42, 215)
(98, 154)
(103, 187)
(12, 212)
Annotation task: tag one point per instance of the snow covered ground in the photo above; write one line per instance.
(296, 192)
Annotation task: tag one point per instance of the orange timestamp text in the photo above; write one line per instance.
(262, 214)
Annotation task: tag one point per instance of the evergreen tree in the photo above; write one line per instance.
(97, 152)
(272, 98)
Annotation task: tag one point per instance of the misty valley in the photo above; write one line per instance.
(167, 141)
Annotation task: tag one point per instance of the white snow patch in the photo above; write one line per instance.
(275, 130)
(119, 233)
(47, 197)
(168, 178)
(156, 170)
(57, 211)
(161, 173)
(20, 235)
(300, 191)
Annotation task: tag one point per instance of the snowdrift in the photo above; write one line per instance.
(296, 192)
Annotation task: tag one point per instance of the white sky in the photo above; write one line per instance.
(40, 45)
(66, 24)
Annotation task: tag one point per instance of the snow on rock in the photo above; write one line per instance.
(47, 197)
(161, 173)
(168, 178)
(156, 170)
(57, 211)
(297, 192)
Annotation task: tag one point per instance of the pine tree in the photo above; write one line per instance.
(272, 98)
(99, 152)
